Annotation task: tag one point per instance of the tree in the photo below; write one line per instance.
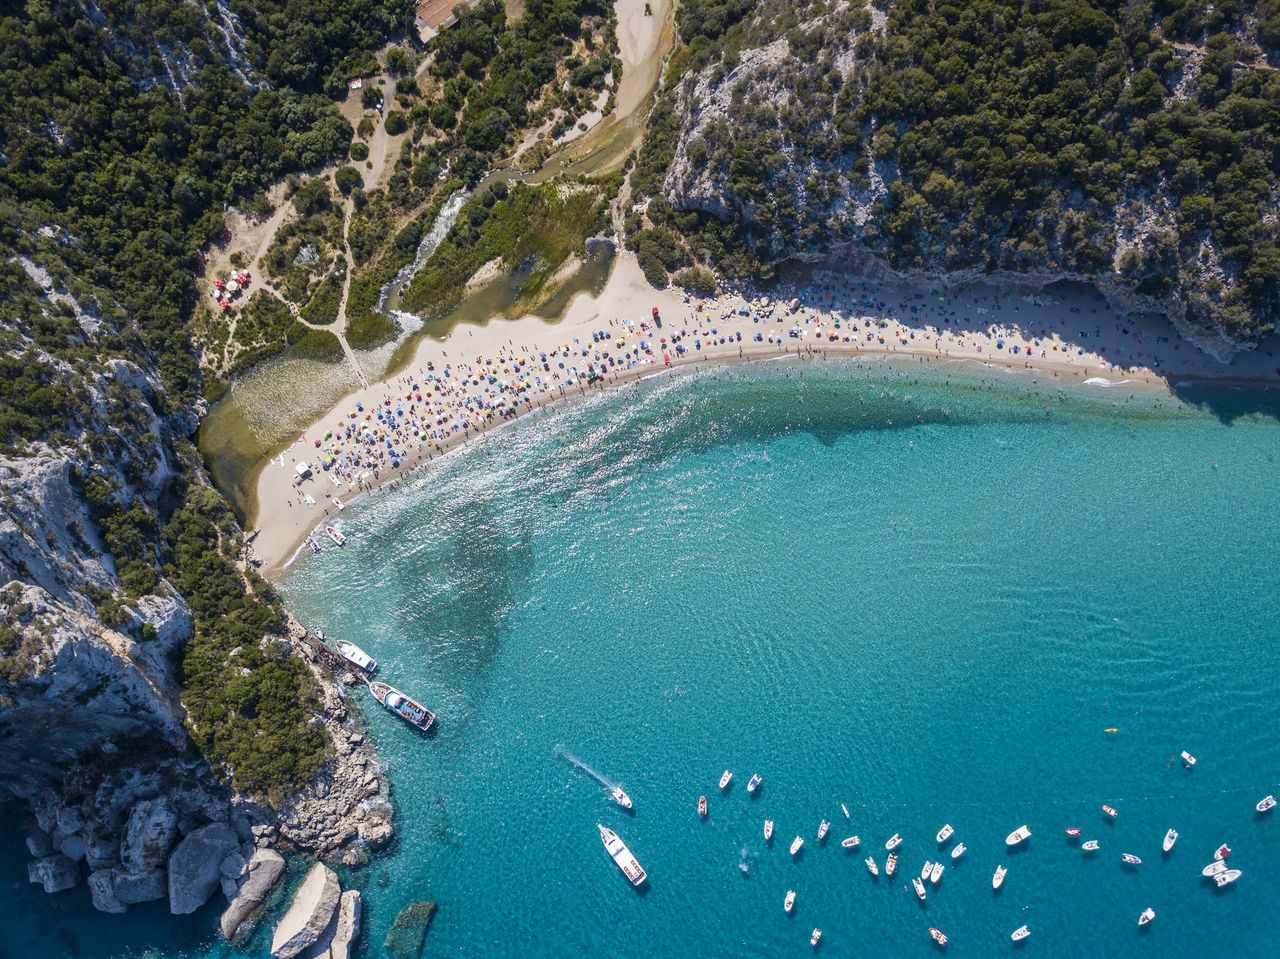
(347, 179)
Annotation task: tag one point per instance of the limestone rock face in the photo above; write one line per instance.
(54, 873)
(102, 889)
(148, 836)
(142, 887)
(309, 923)
(348, 927)
(261, 873)
(195, 866)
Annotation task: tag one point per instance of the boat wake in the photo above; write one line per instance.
(573, 760)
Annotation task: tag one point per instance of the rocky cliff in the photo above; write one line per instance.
(1133, 148)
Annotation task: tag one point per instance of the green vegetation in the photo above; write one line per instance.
(322, 309)
(537, 228)
(1011, 134)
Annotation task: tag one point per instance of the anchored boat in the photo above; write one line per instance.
(753, 784)
(851, 842)
(1169, 839)
(938, 936)
(891, 864)
(945, 833)
(1110, 812)
(919, 887)
(815, 937)
(1227, 878)
(894, 842)
(725, 779)
(822, 830)
(334, 535)
(1189, 759)
(1267, 804)
(622, 855)
(997, 880)
(768, 830)
(1129, 859)
(394, 701)
(356, 656)
(1018, 836)
(1020, 933)
(702, 806)
(871, 866)
(958, 851)
(1147, 915)
(1090, 846)
(935, 873)
(796, 844)
(790, 902)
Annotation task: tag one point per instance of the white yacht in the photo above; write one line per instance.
(618, 795)
(356, 656)
(1169, 839)
(1018, 836)
(997, 880)
(622, 855)
(1215, 867)
(945, 833)
(1227, 878)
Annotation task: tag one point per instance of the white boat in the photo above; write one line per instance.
(1169, 839)
(958, 851)
(1222, 852)
(334, 535)
(894, 842)
(796, 844)
(621, 855)
(1018, 836)
(725, 779)
(851, 842)
(768, 830)
(926, 869)
(1227, 878)
(997, 880)
(1147, 915)
(753, 784)
(935, 873)
(790, 902)
(1129, 859)
(919, 887)
(1110, 812)
(844, 809)
(356, 656)
(1267, 804)
(1215, 867)
(620, 797)
(871, 866)
(1020, 933)
(338, 503)
(1187, 758)
(815, 937)
(946, 832)
(938, 936)
(823, 827)
(891, 864)
(1090, 846)
(401, 705)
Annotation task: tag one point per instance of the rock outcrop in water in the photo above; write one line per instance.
(251, 888)
(408, 932)
(310, 921)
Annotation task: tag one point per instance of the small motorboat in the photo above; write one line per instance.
(816, 937)
(1110, 812)
(401, 705)
(333, 534)
(1227, 878)
(1020, 933)
(891, 864)
(1215, 867)
(945, 833)
(938, 936)
(796, 844)
(1266, 804)
(871, 866)
(1129, 859)
(958, 851)
(618, 795)
(790, 902)
(926, 869)
(725, 779)
(844, 809)
(997, 880)
(935, 873)
(1090, 846)
(1222, 852)
(919, 887)
(823, 828)
(1169, 839)
(768, 830)
(1073, 832)
(356, 656)
(851, 842)
(753, 784)
(1147, 915)
(702, 806)
(1189, 759)
(1018, 836)
(894, 842)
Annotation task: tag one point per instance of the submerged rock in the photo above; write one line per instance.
(409, 931)
(261, 873)
(195, 866)
(309, 921)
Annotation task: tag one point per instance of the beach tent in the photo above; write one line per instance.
(304, 469)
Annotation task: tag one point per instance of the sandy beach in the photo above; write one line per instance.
(478, 377)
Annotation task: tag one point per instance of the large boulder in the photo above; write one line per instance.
(102, 890)
(195, 866)
(309, 922)
(54, 873)
(132, 888)
(260, 875)
(148, 836)
(348, 927)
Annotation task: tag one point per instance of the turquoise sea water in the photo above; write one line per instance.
(925, 597)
